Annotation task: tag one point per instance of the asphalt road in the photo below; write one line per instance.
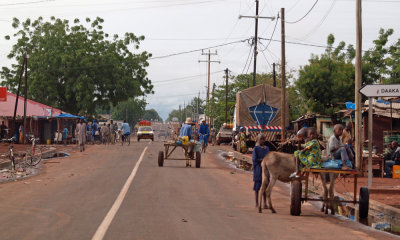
(73, 197)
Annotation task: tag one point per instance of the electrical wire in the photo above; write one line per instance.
(321, 22)
(197, 50)
(247, 60)
(304, 15)
(184, 78)
(25, 3)
(272, 35)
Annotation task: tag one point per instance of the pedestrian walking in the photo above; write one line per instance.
(65, 135)
(78, 126)
(82, 136)
(95, 130)
(105, 132)
(259, 152)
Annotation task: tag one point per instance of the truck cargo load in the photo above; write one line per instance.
(259, 108)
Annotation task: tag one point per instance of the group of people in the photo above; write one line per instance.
(107, 133)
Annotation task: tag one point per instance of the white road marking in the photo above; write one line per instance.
(105, 224)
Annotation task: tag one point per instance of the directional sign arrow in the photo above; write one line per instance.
(381, 90)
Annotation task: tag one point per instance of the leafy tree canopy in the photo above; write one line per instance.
(131, 110)
(152, 115)
(77, 67)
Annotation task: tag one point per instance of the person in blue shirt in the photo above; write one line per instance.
(259, 152)
(94, 129)
(186, 129)
(126, 130)
(204, 132)
(65, 135)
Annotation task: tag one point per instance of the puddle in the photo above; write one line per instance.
(55, 155)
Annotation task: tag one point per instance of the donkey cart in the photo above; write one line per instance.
(188, 156)
(297, 197)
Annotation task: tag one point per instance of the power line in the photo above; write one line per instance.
(273, 32)
(304, 15)
(321, 22)
(25, 3)
(184, 78)
(247, 60)
(197, 50)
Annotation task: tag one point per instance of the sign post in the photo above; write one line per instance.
(370, 91)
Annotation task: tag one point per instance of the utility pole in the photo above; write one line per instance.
(213, 106)
(226, 94)
(358, 81)
(209, 54)
(18, 90)
(256, 17)
(283, 81)
(274, 74)
(25, 96)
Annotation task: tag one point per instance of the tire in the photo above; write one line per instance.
(198, 159)
(295, 198)
(160, 158)
(364, 203)
(33, 159)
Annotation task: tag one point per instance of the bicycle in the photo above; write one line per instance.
(127, 139)
(34, 155)
(203, 143)
(10, 150)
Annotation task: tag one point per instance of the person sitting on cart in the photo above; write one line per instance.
(187, 131)
(259, 152)
(310, 155)
(392, 158)
(338, 150)
(204, 131)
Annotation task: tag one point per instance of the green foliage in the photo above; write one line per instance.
(196, 105)
(328, 80)
(77, 68)
(152, 115)
(133, 108)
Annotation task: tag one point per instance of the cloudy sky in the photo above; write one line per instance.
(176, 26)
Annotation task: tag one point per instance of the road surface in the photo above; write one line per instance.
(80, 197)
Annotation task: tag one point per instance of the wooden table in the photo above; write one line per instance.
(375, 161)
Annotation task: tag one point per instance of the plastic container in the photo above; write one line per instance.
(48, 141)
(396, 171)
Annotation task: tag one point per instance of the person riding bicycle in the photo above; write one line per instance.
(126, 130)
(204, 132)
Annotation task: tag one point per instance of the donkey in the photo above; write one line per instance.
(279, 166)
(329, 194)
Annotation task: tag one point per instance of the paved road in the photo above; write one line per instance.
(73, 195)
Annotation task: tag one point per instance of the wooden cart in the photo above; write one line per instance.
(297, 197)
(170, 148)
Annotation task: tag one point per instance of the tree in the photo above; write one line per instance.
(328, 80)
(133, 108)
(195, 106)
(77, 68)
(152, 115)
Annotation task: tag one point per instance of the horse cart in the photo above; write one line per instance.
(297, 197)
(170, 148)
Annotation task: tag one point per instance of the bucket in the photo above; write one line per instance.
(396, 171)
(48, 141)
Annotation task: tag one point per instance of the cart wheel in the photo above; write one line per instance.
(295, 198)
(160, 158)
(198, 159)
(364, 203)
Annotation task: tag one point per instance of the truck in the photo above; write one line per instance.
(258, 109)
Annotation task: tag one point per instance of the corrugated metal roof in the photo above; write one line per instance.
(33, 108)
(382, 108)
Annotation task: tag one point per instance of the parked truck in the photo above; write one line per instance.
(259, 109)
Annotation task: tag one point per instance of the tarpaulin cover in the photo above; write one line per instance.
(267, 96)
(66, 115)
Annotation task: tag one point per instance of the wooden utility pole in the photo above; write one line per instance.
(25, 97)
(255, 45)
(256, 17)
(274, 74)
(283, 73)
(226, 94)
(213, 107)
(18, 90)
(358, 81)
(209, 73)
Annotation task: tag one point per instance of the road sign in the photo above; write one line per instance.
(3, 94)
(381, 90)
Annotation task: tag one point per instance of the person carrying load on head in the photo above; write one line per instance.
(187, 132)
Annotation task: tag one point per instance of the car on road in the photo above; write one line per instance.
(145, 132)
(224, 135)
